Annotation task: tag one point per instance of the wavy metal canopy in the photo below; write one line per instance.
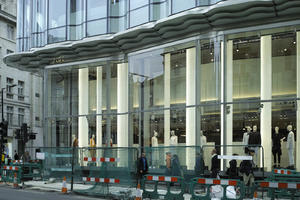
(224, 15)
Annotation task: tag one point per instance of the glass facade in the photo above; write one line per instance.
(50, 21)
(181, 90)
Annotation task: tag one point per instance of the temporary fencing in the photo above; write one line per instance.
(107, 171)
(207, 188)
(275, 189)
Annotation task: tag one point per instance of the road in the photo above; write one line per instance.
(9, 193)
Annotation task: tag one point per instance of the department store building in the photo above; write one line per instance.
(122, 69)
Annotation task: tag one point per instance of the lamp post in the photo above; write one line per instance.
(2, 137)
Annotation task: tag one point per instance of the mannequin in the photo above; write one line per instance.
(255, 142)
(75, 141)
(173, 139)
(290, 145)
(246, 139)
(276, 146)
(93, 145)
(203, 139)
(155, 151)
(154, 140)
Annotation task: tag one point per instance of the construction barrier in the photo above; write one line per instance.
(8, 174)
(204, 188)
(167, 183)
(280, 189)
(109, 172)
(284, 175)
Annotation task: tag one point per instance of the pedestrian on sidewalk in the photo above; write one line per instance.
(16, 156)
(142, 166)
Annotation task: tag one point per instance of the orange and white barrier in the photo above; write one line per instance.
(12, 168)
(64, 188)
(162, 178)
(279, 185)
(17, 161)
(102, 159)
(210, 181)
(100, 180)
(282, 171)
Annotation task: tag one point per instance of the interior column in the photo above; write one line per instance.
(99, 107)
(167, 93)
(266, 94)
(122, 105)
(298, 103)
(190, 100)
(83, 103)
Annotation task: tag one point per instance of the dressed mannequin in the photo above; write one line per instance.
(173, 139)
(246, 139)
(92, 145)
(276, 146)
(203, 139)
(154, 140)
(155, 151)
(290, 145)
(255, 142)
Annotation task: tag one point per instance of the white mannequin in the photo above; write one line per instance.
(246, 136)
(154, 140)
(202, 139)
(290, 145)
(173, 139)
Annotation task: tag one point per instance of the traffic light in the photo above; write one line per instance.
(24, 132)
(4, 128)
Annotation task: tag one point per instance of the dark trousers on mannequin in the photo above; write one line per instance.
(277, 155)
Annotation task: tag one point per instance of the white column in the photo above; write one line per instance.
(167, 95)
(99, 107)
(190, 100)
(122, 120)
(229, 88)
(83, 103)
(298, 103)
(266, 94)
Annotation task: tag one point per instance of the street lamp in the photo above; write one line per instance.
(2, 102)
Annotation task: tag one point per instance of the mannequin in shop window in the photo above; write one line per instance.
(173, 139)
(155, 151)
(276, 146)
(254, 142)
(246, 139)
(203, 139)
(93, 146)
(290, 145)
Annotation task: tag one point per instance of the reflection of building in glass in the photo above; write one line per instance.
(139, 67)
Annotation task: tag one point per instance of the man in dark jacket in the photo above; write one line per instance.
(232, 171)
(215, 164)
(246, 168)
(142, 165)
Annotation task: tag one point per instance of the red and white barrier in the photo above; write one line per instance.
(210, 181)
(12, 168)
(162, 178)
(279, 185)
(102, 159)
(100, 180)
(282, 171)
(17, 161)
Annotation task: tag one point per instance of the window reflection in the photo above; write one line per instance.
(57, 13)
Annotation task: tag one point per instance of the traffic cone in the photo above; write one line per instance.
(15, 181)
(138, 192)
(64, 186)
(255, 195)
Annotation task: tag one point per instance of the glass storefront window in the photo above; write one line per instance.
(284, 65)
(75, 19)
(283, 115)
(159, 9)
(178, 78)
(96, 27)
(246, 68)
(178, 125)
(139, 16)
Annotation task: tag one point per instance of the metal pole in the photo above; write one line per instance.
(2, 104)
